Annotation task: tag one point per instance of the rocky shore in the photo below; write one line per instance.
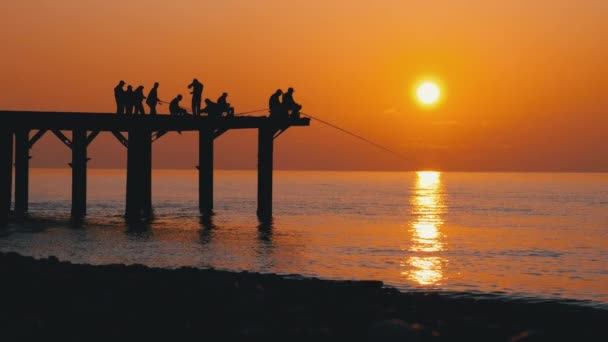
(52, 300)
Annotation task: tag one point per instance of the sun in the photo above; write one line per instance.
(428, 93)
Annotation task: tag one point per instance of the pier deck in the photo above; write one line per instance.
(20, 130)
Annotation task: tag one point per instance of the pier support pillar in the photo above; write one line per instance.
(139, 174)
(79, 173)
(22, 169)
(6, 173)
(146, 160)
(205, 170)
(265, 164)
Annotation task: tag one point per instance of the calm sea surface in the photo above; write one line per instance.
(517, 235)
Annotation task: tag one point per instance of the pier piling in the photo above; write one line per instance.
(79, 173)
(139, 174)
(134, 175)
(6, 172)
(22, 166)
(15, 128)
(205, 170)
(265, 164)
(146, 160)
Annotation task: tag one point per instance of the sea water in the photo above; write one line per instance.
(532, 236)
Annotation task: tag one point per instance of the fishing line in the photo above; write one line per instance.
(386, 149)
(334, 126)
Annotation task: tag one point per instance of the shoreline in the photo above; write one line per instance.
(50, 298)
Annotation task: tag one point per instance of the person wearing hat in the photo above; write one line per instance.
(224, 106)
(197, 96)
(289, 105)
(119, 96)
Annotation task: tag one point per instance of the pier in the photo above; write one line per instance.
(20, 130)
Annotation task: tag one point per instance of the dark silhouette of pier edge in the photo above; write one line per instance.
(20, 130)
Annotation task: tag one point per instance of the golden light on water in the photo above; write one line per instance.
(425, 267)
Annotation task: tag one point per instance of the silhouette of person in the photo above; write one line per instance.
(152, 99)
(289, 105)
(119, 96)
(197, 95)
(129, 100)
(139, 97)
(174, 107)
(212, 109)
(275, 105)
(224, 106)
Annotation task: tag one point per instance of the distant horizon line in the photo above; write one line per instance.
(344, 170)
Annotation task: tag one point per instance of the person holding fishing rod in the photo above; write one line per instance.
(175, 109)
(290, 106)
(152, 99)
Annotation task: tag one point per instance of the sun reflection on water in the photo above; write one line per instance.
(425, 267)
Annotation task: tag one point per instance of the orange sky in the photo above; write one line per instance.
(526, 82)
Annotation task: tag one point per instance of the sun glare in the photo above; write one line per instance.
(428, 93)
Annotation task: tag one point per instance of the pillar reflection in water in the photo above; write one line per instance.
(425, 266)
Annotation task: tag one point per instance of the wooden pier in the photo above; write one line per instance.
(20, 130)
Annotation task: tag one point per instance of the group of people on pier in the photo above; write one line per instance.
(130, 102)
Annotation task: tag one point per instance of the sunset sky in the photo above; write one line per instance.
(525, 83)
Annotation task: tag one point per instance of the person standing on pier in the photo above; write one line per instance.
(119, 96)
(197, 96)
(139, 100)
(152, 99)
(174, 107)
(289, 105)
(224, 106)
(274, 103)
(129, 100)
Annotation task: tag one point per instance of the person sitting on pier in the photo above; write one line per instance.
(212, 109)
(275, 105)
(290, 106)
(175, 109)
(129, 100)
(152, 99)
(197, 95)
(139, 100)
(224, 106)
(119, 96)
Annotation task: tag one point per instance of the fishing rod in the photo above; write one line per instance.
(251, 112)
(355, 135)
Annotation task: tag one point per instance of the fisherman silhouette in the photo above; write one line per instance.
(289, 105)
(274, 103)
(224, 107)
(152, 99)
(197, 95)
(139, 100)
(212, 109)
(129, 100)
(119, 96)
(174, 107)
